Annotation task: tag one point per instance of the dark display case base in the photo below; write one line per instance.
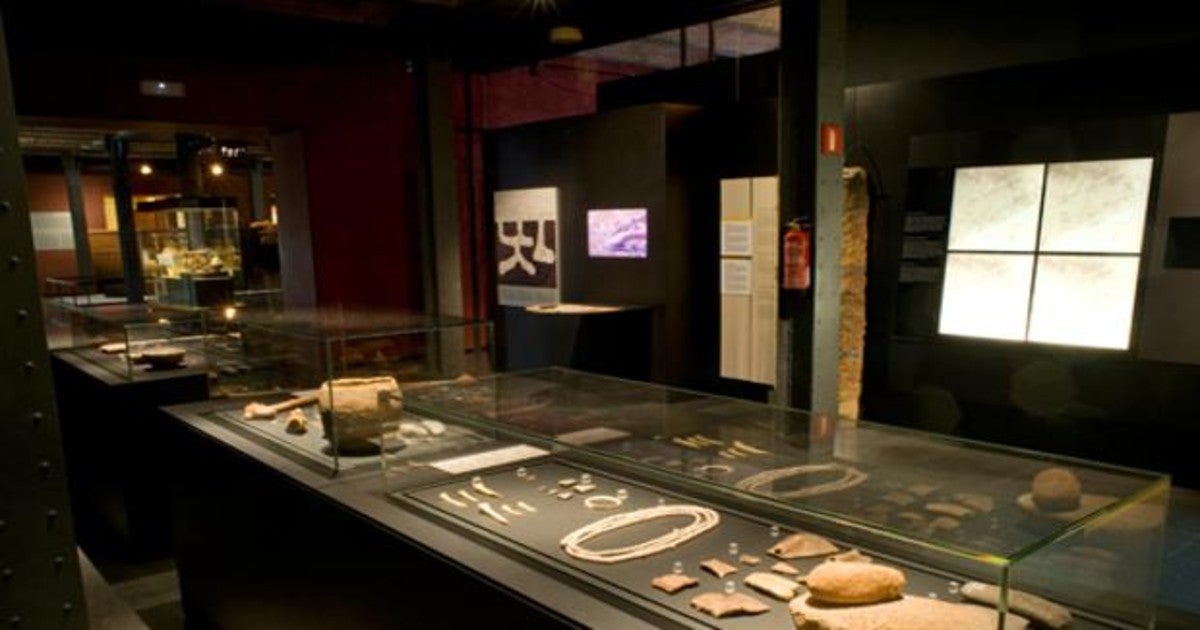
(116, 452)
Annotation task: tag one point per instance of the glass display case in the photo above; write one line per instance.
(190, 249)
(129, 340)
(318, 385)
(727, 513)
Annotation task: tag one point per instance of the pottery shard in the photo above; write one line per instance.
(717, 567)
(854, 583)
(949, 509)
(976, 501)
(785, 568)
(672, 583)
(1043, 612)
(853, 555)
(802, 545)
(896, 497)
(1056, 490)
(901, 614)
(728, 605)
(749, 560)
(353, 409)
(776, 586)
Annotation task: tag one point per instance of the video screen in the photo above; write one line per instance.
(617, 233)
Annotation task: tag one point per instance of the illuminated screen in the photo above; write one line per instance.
(1046, 252)
(619, 233)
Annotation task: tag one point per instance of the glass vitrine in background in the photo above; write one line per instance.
(191, 249)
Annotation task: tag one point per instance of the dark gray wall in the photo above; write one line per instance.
(618, 159)
(1119, 407)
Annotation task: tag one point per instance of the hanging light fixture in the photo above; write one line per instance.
(146, 169)
(216, 169)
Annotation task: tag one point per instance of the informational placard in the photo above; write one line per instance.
(52, 231)
(737, 238)
(488, 459)
(527, 246)
(736, 275)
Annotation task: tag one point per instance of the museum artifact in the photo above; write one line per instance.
(802, 545)
(922, 489)
(162, 357)
(672, 583)
(900, 498)
(468, 496)
(714, 469)
(747, 449)
(479, 486)
(850, 555)
(721, 605)
(509, 509)
(1056, 490)
(116, 347)
(762, 482)
(703, 520)
(853, 583)
(260, 411)
(353, 410)
(603, 502)
(717, 567)
(777, 586)
(297, 423)
(785, 568)
(1037, 609)
(907, 613)
(949, 509)
(525, 506)
(487, 509)
(451, 500)
(749, 560)
(976, 501)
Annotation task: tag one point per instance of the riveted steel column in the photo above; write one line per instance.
(812, 83)
(40, 585)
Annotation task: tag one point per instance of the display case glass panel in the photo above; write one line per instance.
(191, 249)
(131, 340)
(955, 517)
(318, 385)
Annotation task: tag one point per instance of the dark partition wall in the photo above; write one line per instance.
(619, 159)
(1118, 406)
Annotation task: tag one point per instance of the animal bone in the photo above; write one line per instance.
(746, 448)
(297, 423)
(260, 411)
(486, 508)
(525, 506)
(468, 496)
(451, 500)
(478, 486)
(509, 509)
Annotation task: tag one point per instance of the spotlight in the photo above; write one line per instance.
(217, 169)
(146, 169)
(230, 313)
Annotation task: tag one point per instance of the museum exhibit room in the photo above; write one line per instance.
(734, 314)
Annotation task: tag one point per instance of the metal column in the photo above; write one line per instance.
(440, 224)
(79, 227)
(40, 586)
(131, 260)
(811, 87)
(258, 200)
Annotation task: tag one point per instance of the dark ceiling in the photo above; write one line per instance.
(481, 34)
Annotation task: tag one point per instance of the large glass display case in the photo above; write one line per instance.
(190, 249)
(129, 340)
(319, 384)
(727, 513)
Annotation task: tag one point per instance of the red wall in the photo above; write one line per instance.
(357, 117)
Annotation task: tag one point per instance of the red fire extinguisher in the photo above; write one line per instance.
(797, 254)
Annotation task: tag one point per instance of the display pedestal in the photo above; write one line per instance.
(268, 543)
(116, 452)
